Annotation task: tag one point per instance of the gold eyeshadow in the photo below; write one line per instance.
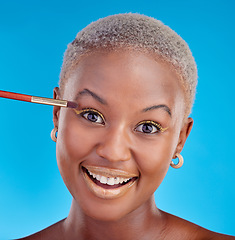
(85, 110)
(157, 125)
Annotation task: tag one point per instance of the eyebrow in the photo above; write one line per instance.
(104, 102)
(163, 106)
(94, 95)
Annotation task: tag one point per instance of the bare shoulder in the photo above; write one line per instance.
(178, 228)
(52, 232)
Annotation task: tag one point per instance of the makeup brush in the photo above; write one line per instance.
(41, 100)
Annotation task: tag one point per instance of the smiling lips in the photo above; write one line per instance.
(108, 183)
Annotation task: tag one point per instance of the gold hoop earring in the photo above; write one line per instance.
(53, 134)
(180, 162)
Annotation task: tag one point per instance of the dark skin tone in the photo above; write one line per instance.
(130, 122)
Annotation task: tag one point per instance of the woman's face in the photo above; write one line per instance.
(114, 151)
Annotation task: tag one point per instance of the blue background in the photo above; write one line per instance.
(33, 37)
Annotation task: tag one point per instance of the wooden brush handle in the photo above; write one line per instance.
(41, 100)
(16, 96)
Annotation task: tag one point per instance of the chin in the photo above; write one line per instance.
(107, 212)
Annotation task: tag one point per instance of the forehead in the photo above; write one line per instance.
(133, 77)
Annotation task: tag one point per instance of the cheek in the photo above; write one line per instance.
(153, 156)
(74, 144)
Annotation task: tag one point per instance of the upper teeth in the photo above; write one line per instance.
(108, 180)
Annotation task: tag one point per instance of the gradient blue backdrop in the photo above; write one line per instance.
(33, 37)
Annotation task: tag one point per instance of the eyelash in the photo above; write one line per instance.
(158, 126)
(92, 111)
(82, 113)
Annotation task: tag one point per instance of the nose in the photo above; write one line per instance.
(115, 145)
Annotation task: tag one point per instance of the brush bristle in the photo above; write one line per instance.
(72, 104)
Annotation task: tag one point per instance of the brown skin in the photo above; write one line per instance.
(128, 82)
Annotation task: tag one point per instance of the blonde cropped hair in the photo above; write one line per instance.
(136, 32)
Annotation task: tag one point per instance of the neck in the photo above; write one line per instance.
(144, 222)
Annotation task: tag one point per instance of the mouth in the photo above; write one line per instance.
(108, 183)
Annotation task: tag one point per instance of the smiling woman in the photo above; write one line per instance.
(134, 81)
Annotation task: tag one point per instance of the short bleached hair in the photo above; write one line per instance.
(139, 33)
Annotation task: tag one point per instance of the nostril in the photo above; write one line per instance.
(113, 152)
(115, 145)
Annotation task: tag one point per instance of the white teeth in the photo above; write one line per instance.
(98, 177)
(116, 180)
(103, 180)
(109, 180)
(121, 180)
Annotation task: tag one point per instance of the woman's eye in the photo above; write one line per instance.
(146, 128)
(92, 116)
(149, 127)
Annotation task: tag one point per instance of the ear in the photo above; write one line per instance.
(184, 133)
(56, 109)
